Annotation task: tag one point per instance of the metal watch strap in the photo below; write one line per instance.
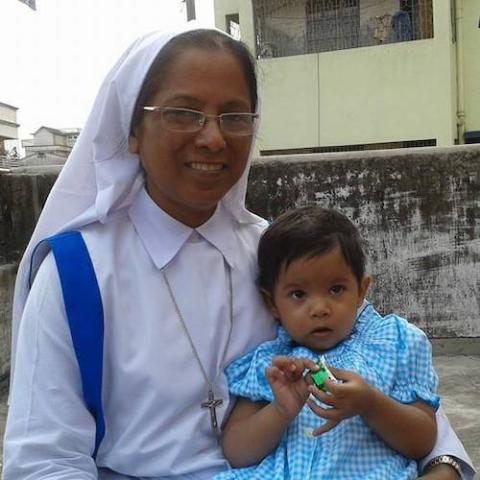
(445, 460)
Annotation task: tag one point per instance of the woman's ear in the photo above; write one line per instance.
(268, 299)
(363, 288)
(132, 144)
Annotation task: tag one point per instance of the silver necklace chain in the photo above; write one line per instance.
(211, 403)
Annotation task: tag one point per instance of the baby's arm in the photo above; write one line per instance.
(408, 428)
(254, 429)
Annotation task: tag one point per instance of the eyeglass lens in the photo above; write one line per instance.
(184, 120)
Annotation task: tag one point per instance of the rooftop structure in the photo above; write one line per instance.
(343, 75)
(49, 146)
(8, 125)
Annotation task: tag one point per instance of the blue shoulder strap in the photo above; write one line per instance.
(83, 305)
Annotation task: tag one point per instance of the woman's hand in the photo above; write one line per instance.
(288, 384)
(352, 396)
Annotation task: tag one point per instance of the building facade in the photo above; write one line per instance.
(49, 146)
(8, 125)
(362, 74)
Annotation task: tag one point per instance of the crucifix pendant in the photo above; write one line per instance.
(212, 403)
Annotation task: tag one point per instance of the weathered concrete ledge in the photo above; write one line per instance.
(7, 279)
(22, 195)
(418, 210)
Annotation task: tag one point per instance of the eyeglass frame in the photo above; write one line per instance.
(203, 119)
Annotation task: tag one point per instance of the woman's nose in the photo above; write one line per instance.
(210, 136)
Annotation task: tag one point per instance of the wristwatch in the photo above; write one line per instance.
(445, 460)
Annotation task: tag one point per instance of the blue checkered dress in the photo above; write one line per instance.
(390, 354)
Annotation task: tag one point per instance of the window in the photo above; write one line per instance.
(412, 21)
(296, 27)
(332, 24)
(422, 19)
(233, 25)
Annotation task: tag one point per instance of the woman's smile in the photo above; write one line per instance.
(206, 167)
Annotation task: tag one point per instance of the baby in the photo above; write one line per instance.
(378, 417)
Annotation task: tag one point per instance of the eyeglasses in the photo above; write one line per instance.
(190, 121)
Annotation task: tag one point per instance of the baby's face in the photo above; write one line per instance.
(316, 300)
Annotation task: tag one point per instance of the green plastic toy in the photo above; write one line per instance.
(320, 375)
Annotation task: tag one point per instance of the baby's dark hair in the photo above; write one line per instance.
(307, 232)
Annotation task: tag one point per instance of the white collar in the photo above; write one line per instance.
(163, 236)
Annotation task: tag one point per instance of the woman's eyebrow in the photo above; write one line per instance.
(230, 105)
(237, 105)
(182, 98)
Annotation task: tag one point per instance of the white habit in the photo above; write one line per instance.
(153, 387)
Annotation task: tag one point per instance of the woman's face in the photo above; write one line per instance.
(188, 173)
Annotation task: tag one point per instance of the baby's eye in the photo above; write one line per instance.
(337, 289)
(297, 294)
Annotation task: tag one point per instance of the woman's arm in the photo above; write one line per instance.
(392, 421)
(447, 444)
(49, 431)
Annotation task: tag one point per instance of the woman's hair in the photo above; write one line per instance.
(202, 39)
(305, 233)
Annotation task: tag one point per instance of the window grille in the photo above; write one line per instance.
(296, 27)
(332, 25)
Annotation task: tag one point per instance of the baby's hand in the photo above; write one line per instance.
(293, 368)
(288, 384)
(345, 399)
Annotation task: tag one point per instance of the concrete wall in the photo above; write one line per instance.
(7, 279)
(419, 211)
(22, 196)
(471, 58)
(365, 95)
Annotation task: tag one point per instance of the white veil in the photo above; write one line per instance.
(100, 175)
